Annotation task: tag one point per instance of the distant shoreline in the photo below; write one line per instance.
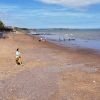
(78, 49)
(75, 48)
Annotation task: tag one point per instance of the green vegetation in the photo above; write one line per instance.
(1, 24)
(4, 28)
(25, 30)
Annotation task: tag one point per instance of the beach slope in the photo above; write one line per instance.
(48, 72)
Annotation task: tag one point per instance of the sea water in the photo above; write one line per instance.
(85, 38)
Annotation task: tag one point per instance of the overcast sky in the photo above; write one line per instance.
(51, 13)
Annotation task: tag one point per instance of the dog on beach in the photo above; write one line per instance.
(18, 60)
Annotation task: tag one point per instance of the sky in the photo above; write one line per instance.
(50, 13)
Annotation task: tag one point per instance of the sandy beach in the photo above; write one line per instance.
(48, 72)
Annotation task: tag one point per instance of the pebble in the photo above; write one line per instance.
(94, 81)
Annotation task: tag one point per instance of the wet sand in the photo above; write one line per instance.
(49, 71)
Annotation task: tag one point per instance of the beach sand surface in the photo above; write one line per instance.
(48, 72)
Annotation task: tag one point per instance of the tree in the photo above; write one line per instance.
(1, 24)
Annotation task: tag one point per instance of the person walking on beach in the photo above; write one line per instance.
(18, 57)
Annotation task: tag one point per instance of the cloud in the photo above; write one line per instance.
(68, 14)
(72, 3)
(5, 8)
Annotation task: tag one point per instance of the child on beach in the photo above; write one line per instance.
(18, 57)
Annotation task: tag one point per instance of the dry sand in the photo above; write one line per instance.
(49, 72)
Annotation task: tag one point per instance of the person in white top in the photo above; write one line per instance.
(18, 57)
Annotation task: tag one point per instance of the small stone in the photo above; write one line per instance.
(94, 81)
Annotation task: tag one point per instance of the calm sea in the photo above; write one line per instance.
(81, 38)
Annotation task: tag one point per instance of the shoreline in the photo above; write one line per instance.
(79, 49)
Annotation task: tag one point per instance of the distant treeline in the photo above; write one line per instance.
(49, 29)
(63, 29)
(26, 30)
(6, 29)
(3, 28)
(18, 29)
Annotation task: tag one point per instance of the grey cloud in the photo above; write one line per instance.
(72, 3)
